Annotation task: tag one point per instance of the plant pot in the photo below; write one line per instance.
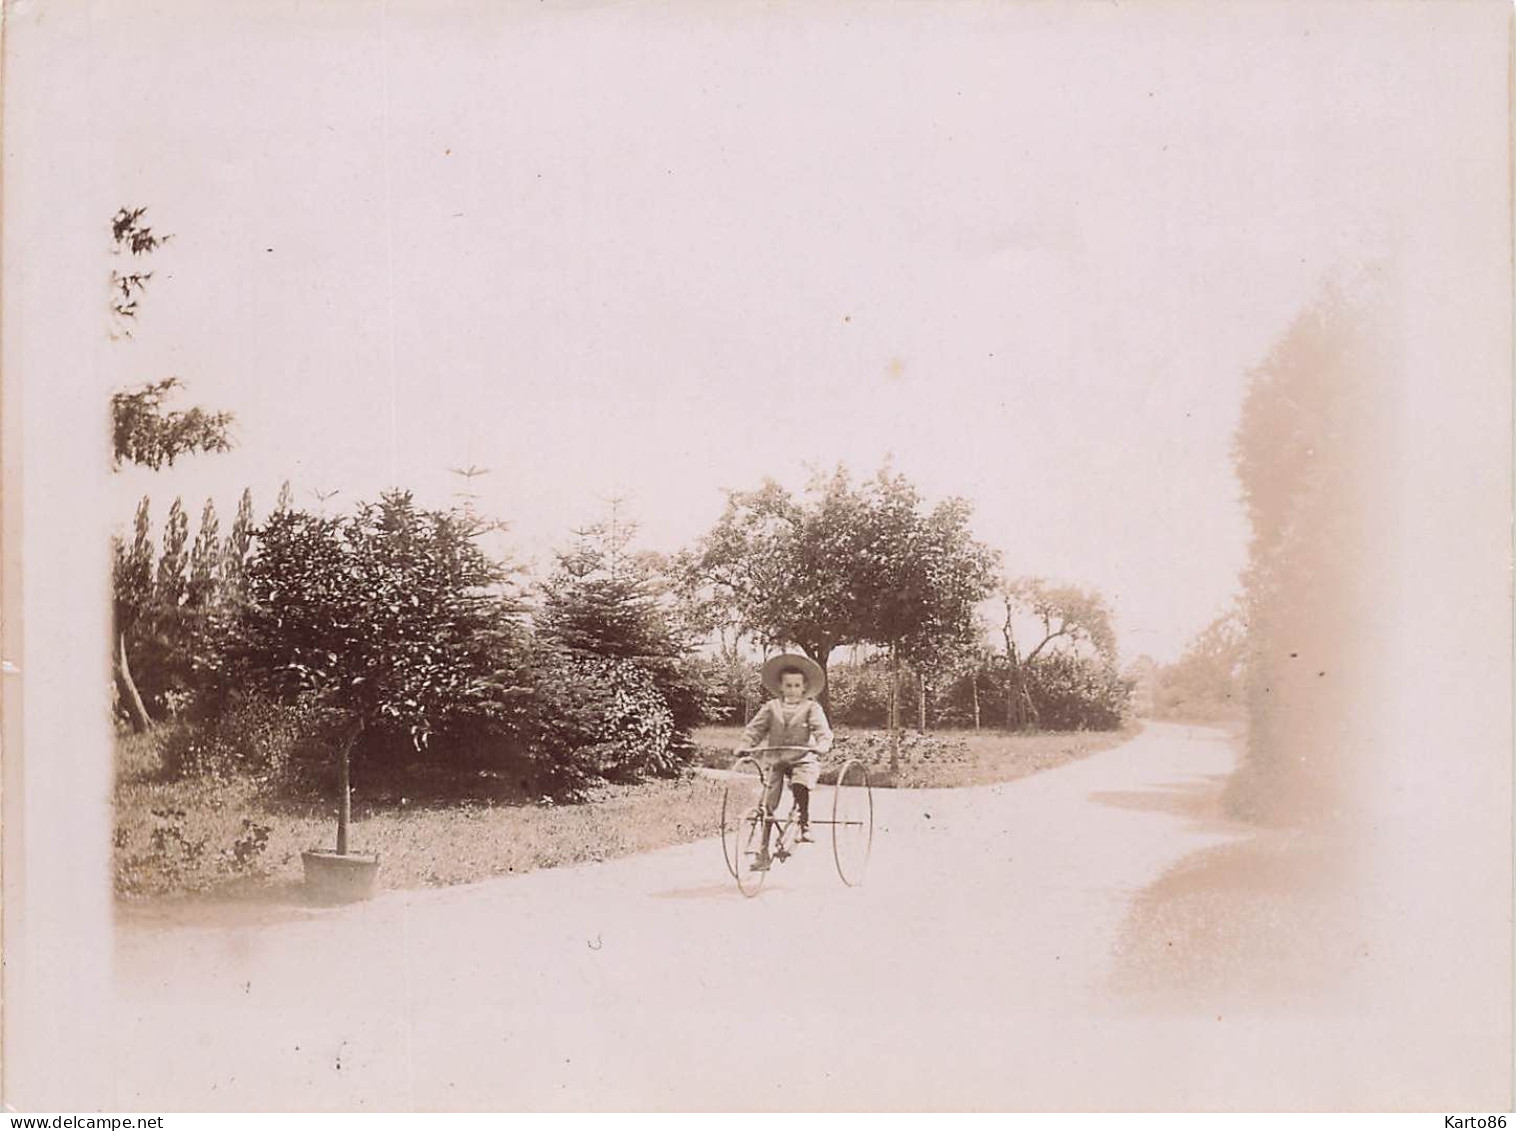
(334, 878)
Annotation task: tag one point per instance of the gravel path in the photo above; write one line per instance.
(980, 967)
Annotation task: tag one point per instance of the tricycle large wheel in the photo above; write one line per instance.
(742, 824)
(852, 822)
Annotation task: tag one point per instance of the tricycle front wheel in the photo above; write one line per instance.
(742, 824)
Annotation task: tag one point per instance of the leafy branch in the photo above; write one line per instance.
(143, 433)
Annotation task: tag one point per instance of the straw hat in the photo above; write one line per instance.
(815, 678)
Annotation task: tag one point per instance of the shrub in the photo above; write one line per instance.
(636, 731)
(952, 701)
(732, 687)
(859, 694)
(245, 851)
(873, 747)
(1077, 693)
(255, 739)
(593, 720)
(920, 755)
(567, 722)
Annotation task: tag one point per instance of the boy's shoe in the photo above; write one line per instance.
(805, 835)
(760, 863)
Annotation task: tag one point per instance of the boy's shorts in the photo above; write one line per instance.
(806, 770)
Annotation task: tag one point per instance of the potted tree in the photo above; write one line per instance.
(342, 876)
(392, 618)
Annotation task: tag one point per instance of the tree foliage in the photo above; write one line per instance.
(1207, 680)
(847, 565)
(936, 579)
(391, 617)
(205, 559)
(133, 239)
(143, 431)
(1300, 450)
(788, 570)
(147, 434)
(237, 546)
(132, 576)
(1066, 614)
(171, 606)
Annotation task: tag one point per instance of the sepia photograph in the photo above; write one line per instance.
(845, 556)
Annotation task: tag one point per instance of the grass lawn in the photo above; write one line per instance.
(194, 835)
(228, 838)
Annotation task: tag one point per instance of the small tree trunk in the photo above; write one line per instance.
(821, 652)
(344, 796)
(1019, 710)
(1026, 710)
(344, 786)
(894, 709)
(921, 703)
(974, 688)
(136, 710)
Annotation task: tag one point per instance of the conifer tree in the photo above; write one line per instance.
(205, 561)
(238, 544)
(604, 600)
(170, 580)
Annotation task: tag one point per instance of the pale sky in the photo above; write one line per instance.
(1027, 251)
